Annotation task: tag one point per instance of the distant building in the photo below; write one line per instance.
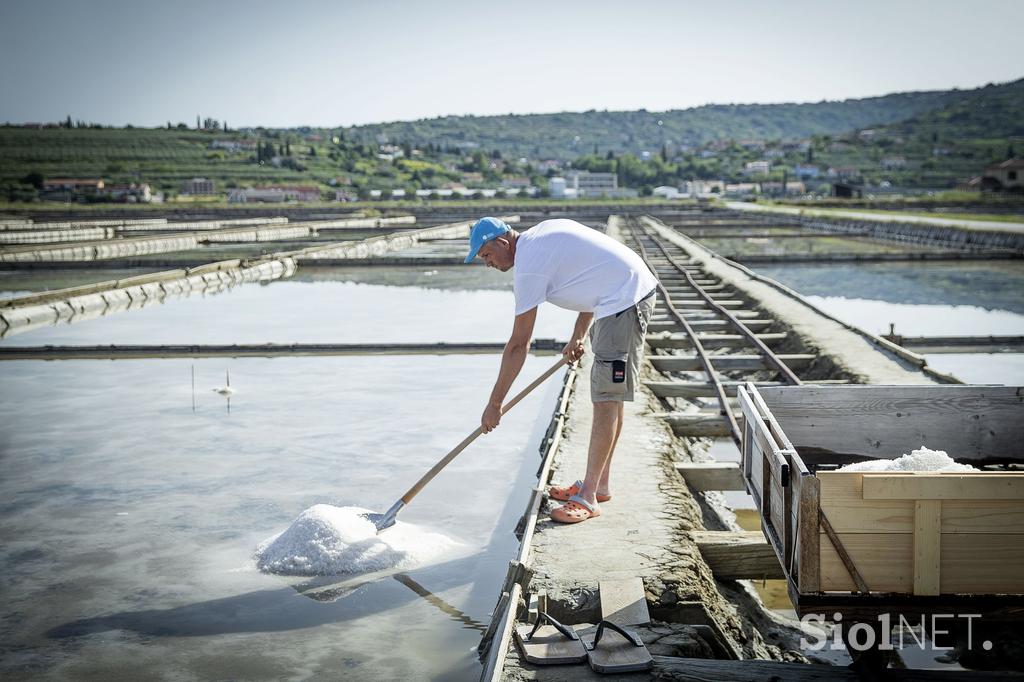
(589, 184)
(845, 190)
(71, 189)
(741, 189)
(559, 189)
(74, 184)
(1005, 176)
(197, 187)
(667, 192)
(273, 194)
(702, 188)
(133, 193)
(791, 188)
(757, 168)
(843, 172)
(472, 178)
(806, 172)
(520, 181)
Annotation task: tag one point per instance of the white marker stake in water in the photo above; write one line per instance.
(328, 540)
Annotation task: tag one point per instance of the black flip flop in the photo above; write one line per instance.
(617, 655)
(552, 644)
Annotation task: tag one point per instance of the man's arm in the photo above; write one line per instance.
(511, 363)
(573, 350)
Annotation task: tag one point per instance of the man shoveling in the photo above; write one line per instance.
(580, 269)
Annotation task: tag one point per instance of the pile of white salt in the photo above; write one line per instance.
(922, 459)
(328, 540)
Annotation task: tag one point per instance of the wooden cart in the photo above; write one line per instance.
(868, 544)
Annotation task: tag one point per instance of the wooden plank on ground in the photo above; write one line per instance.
(696, 425)
(690, 363)
(738, 555)
(624, 602)
(703, 476)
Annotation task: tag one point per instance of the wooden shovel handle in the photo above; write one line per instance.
(413, 491)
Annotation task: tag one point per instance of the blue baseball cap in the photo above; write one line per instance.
(484, 230)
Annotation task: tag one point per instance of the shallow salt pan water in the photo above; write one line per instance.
(128, 522)
(337, 305)
(925, 299)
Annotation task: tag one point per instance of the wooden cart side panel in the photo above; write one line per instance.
(944, 486)
(981, 563)
(752, 458)
(928, 546)
(767, 468)
(972, 422)
(842, 500)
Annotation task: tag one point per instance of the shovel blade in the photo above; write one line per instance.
(387, 519)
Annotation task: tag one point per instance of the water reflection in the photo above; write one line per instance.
(988, 285)
(129, 520)
(328, 305)
(277, 610)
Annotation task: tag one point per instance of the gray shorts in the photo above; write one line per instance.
(618, 345)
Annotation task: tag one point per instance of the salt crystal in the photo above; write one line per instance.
(328, 540)
(922, 459)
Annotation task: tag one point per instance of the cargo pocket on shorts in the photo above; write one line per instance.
(608, 377)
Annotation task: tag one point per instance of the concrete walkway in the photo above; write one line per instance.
(642, 532)
(893, 217)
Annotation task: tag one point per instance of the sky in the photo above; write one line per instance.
(340, 62)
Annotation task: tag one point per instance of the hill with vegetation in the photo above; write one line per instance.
(566, 136)
(912, 140)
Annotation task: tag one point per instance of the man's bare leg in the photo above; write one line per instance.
(604, 433)
(603, 485)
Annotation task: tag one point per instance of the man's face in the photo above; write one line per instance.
(497, 254)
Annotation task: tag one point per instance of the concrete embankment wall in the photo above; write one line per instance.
(86, 302)
(376, 246)
(56, 236)
(139, 246)
(28, 312)
(201, 224)
(28, 224)
(934, 231)
(933, 235)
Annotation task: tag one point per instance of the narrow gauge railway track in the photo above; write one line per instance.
(729, 340)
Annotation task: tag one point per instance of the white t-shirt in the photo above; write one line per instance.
(578, 268)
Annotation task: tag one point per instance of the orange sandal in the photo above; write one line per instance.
(563, 493)
(575, 510)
